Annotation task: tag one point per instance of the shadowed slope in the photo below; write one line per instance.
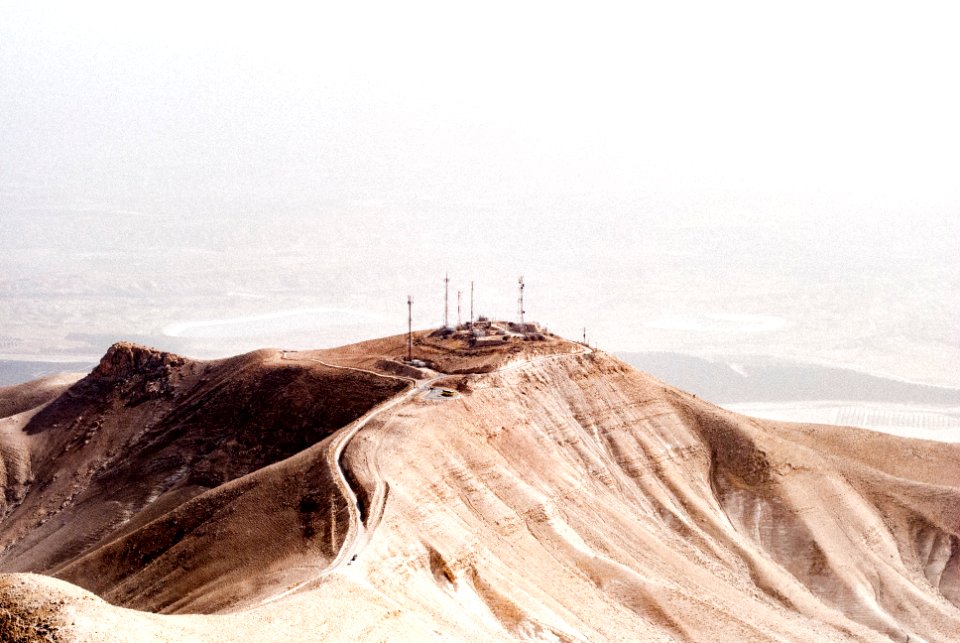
(127, 470)
(23, 397)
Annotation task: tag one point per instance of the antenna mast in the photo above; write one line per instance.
(459, 297)
(521, 302)
(409, 327)
(471, 304)
(446, 301)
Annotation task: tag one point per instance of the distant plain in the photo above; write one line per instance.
(812, 311)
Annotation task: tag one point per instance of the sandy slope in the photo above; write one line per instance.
(558, 498)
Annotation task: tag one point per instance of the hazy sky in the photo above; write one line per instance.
(850, 103)
(553, 139)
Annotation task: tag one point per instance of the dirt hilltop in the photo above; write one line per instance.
(556, 493)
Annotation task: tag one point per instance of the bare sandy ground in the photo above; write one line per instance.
(561, 496)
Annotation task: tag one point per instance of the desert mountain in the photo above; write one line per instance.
(552, 493)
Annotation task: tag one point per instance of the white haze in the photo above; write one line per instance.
(713, 178)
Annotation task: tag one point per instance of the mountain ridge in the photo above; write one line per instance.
(654, 514)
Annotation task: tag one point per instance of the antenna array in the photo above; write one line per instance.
(446, 301)
(520, 301)
(409, 327)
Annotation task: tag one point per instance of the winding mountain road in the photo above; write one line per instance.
(342, 437)
(335, 449)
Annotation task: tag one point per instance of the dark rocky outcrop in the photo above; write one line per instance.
(124, 359)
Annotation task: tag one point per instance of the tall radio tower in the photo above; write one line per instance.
(409, 327)
(521, 302)
(459, 319)
(446, 301)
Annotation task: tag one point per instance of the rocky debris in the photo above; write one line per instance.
(26, 615)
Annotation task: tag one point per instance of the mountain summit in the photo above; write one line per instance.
(517, 490)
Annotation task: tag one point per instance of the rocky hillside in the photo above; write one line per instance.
(145, 463)
(560, 495)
